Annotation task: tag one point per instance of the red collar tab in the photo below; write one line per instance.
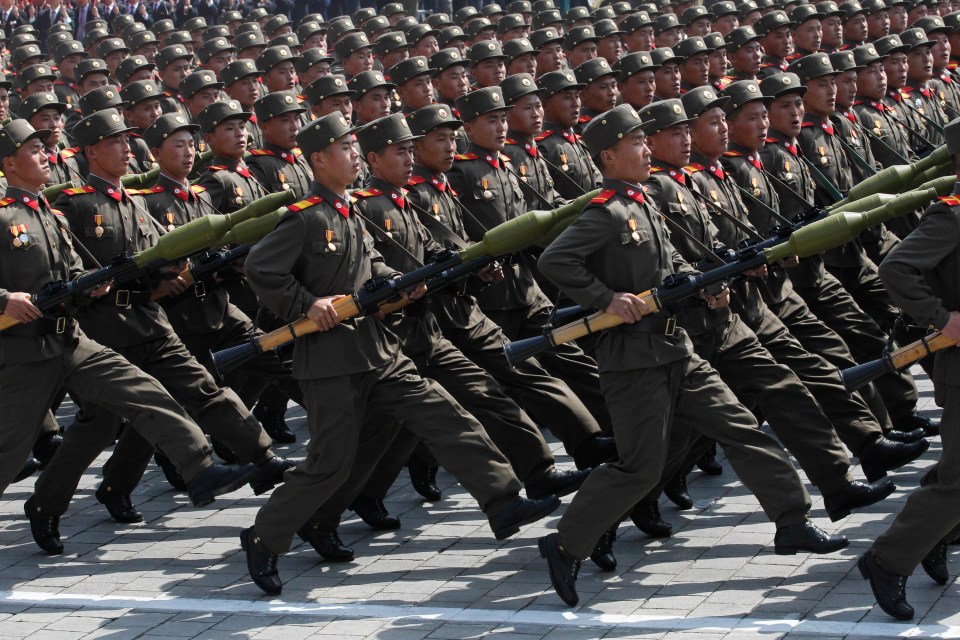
(634, 194)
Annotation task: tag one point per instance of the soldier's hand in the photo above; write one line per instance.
(951, 329)
(101, 291)
(628, 307)
(491, 274)
(759, 272)
(323, 313)
(172, 287)
(416, 293)
(719, 301)
(20, 307)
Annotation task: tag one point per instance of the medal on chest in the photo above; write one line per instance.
(756, 187)
(170, 218)
(487, 194)
(436, 211)
(330, 245)
(565, 166)
(683, 205)
(98, 230)
(20, 237)
(786, 168)
(823, 155)
(283, 181)
(239, 191)
(388, 225)
(632, 223)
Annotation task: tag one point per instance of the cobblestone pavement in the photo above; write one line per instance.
(181, 573)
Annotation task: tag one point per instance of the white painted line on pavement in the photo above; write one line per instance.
(413, 613)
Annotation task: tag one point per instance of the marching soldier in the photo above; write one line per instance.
(412, 77)
(67, 55)
(141, 108)
(599, 92)
(173, 65)
(241, 82)
(45, 113)
(918, 94)
(228, 179)
(279, 165)
(524, 123)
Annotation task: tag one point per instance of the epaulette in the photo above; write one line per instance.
(197, 188)
(583, 119)
(261, 152)
(772, 140)
(694, 167)
(304, 204)
(297, 151)
(505, 158)
(603, 196)
(510, 141)
(145, 192)
(543, 136)
(466, 156)
(416, 180)
(75, 191)
(950, 201)
(216, 167)
(7, 201)
(69, 153)
(656, 169)
(367, 193)
(56, 212)
(808, 124)
(732, 154)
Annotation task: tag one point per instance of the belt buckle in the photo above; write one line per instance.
(61, 324)
(199, 289)
(671, 327)
(123, 298)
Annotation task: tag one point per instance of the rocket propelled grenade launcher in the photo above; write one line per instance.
(897, 177)
(856, 377)
(509, 237)
(805, 239)
(190, 239)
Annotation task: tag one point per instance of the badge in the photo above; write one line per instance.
(683, 206)
(716, 198)
(388, 225)
(170, 218)
(283, 181)
(563, 159)
(633, 227)
(330, 245)
(823, 160)
(756, 189)
(98, 220)
(487, 194)
(436, 210)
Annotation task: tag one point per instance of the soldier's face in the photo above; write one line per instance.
(671, 145)
(695, 70)
(176, 155)
(452, 83)
(581, 53)
(878, 24)
(895, 67)
(416, 92)
(601, 94)
(393, 164)
(245, 91)
(699, 27)
(846, 89)
(202, 99)
(726, 24)
(872, 81)
(550, 58)
(786, 114)
(219, 61)
(111, 155)
(941, 50)
(283, 77)
(360, 60)
(610, 48)
(68, 64)
(668, 80)
(808, 35)
(489, 73)
(92, 81)
(563, 107)
(669, 37)
(282, 130)
(746, 59)
(174, 73)
(526, 115)
(49, 119)
(426, 46)
(524, 63)
(43, 85)
(338, 165)
(637, 90)
(919, 64)
(898, 18)
(709, 133)
(229, 138)
(748, 125)
(779, 42)
(30, 164)
(855, 28)
(718, 63)
(374, 104)
(343, 104)
(436, 149)
(488, 131)
(629, 159)
(821, 96)
(832, 31)
(641, 40)
(395, 56)
(4, 103)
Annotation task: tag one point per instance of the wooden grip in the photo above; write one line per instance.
(7, 321)
(599, 321)
(907, 355)
(346, 307)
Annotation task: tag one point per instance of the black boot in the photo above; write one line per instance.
(563, 568)
(885, 455)
(170, 471)
(326, 543)
(374, 513)
(602, 555)
(556, 482)
(646, 515)
(118, 505)
(46, 446)
(520, 512)
(30, 467)
(935, 563)
(708, 462)
(595, 451)
(217, 480)
(676, 491)
(273, 423)
(904, 436)
(806, 536)
(916, 421)
(261, 563)
(44, 528)
(855, 495)
(889, 589)
(270, 474)
(423, 477)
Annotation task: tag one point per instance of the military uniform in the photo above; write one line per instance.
(278, 169)
(111, 223)
(569, 162)
(525, 160)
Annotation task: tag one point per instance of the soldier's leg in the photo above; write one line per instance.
(390, 465)
(932, 512)
(851, 418)
(548, 400)
(864, 286)
(505, 422)
(816, 337)
(708, 406)
(834, 306)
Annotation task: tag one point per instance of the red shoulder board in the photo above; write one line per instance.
(75, 191)
(367, 193)
(261, 152)
(416, 180)
(808, 124)
(215, 167)
(297, 151)
(694, 167)
(304, 204)
(197, 188)
(953, 64)
(656, 169)
(505, 158)
(510, 141)
(543, 136)
(772, 140)
(604, 195)
(69, 153)
(56, 212)
(732, 154)
(466, 156)
(7, 201)
(143, 192)
(950, 201)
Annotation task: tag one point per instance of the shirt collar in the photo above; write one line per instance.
(107, 187)
(338, 202)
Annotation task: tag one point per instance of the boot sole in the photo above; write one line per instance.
(861, 565)
(513, 528)
(208, 497)
(837, 515)
(792, 551)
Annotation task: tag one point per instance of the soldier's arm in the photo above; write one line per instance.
(564, 262)
(902, 272)
(269, 268)
(210, 181)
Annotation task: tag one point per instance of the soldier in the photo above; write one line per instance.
(241, 82)
(37, 78)
(695, 66)
(173, 65)
(895, 67)
(524, 123)
(45, 113)
(599, 93)
(134, 68)
(491, 193)
(667, 31)
(67, 55)
(609, 46)
(726, 17)
(745, 54)
(328, 94)
(807, 30)
(215, 54)
(943, 81)
(548, 44)
(854, 25)
(390, 49)
(569, 163)
(579, 45)
(487, 64)
(44, 351)
(666, 76)
(450, 81)
(250, 45)
(412, 77)
(361, 372)
(141, 108)
(423, 40)
(717, 59)
(112, 51)
(134, 325)
(636, 79)
(355, 54)
(921, 275)
(918, 95)
(279, 165)
(878, 19)
(697, 21)
(776, 39)
(372, 96)
(605, 276)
